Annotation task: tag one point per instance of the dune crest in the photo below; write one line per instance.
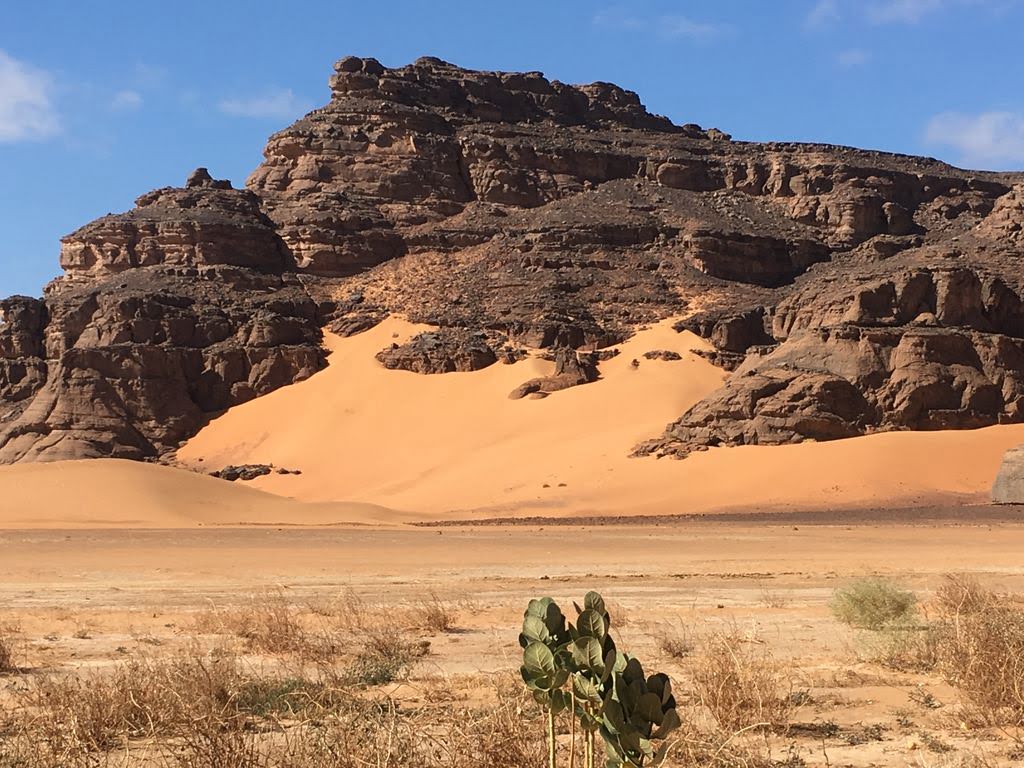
(454, 446)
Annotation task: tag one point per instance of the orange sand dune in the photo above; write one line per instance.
(454, 446)
(112, 493)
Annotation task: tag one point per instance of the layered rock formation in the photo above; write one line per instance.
(166, 314)
(849, 291)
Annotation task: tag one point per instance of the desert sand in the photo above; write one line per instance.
(378, 446)
(454, 446)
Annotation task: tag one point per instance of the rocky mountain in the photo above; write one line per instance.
(849, 291)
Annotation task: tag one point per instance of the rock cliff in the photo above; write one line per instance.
(849, 291)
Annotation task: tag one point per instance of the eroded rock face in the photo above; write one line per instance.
(850, 291)
(922, 347)
(446, 351)
(571, 370)
(1008, 487)
(151, 334)
(204, 224)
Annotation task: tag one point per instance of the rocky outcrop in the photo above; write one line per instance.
(206, 223)
(910, 347)
(849, 291)
(141, 342)
(571, 370)
(442, 352)
(1009, 484)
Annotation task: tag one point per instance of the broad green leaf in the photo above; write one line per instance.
(591, 624)
(585, 688)
(586, 652)
(670, 721)
(594, 602)
(648, 706)
(538, 660)
(534, 628)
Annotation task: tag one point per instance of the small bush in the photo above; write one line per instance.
(874, 603)
(384, 658)
(901, 647)
(434, 615)
(7, 642)
(674, 640)
(742, 687)
(981, 649)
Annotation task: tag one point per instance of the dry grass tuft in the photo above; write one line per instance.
(742, 686)
(434, 615)
(980, 642)
(7, 643)
(674, 640)
(383, 658)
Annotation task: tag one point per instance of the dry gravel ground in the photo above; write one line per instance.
(81, 601)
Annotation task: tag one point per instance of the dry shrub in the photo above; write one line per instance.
(874, 603)
(743, 687)
(272, 625)
(903, 648)
(98, 712)
(383, 658)
(434, 615)
(673, 640)
(7, 643)
(356, 732)
(980, 642)
(347, 612)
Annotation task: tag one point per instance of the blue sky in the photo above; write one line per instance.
(101, 101)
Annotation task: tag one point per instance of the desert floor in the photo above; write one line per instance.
(82, 599)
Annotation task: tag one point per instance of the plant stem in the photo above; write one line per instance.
(572, 729)
(551, 738)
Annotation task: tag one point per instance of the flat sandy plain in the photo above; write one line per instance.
(403, 479)
(90, 598)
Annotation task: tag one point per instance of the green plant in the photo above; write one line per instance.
(637, 710)
(873, 603)
(544, 640)
(607, 692)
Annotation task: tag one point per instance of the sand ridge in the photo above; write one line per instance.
(454, 446)
(378, 446)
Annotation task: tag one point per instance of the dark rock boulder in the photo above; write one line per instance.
(571, 370)
(1009, 484)
(441, 352)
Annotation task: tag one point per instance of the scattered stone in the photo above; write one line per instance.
(662, 354)
(443, 351)
(1009, 485)
(242, 472)
(571, 370)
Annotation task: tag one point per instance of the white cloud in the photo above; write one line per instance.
(618, 18)
(278, 103)
(989, 139)
(26, 110)
(671, 26)
(682, 26)
(823, 12)
(853, 58)
(903, 11)
(126, 101)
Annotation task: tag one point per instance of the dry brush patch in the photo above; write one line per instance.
(980, 649)
(742, 685)
(8, 641)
